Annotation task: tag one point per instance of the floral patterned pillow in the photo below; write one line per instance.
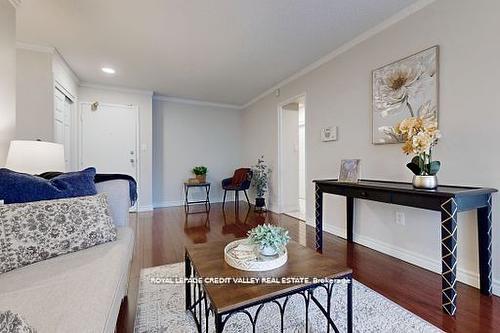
(36, 231)
(13, 323)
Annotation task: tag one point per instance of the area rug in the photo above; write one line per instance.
(160, 308)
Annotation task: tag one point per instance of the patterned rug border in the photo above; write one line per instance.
(180, 266)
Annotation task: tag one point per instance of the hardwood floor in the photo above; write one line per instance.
(162, 234)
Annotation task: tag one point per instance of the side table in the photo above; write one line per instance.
(206, 202)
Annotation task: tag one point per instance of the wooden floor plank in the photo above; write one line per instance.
(161, 236)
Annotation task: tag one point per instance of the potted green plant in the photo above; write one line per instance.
(420, 135)
(270, 239)
(201, 173)
(260, 182)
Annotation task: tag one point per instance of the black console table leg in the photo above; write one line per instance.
(484, 241)
(350, 217)
(449, 255)
(319, 219)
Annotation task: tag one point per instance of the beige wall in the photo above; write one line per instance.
(339, 93)
(7, 76)
(144, 102)
(189, 135)
(35, 96)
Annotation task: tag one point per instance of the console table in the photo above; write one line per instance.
(449, 200)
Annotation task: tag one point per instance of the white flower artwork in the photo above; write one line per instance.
(403, 89)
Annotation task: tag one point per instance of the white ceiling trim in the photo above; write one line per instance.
(35, 47)
(15, 3)
(148, 93)
(345, 47)
(196, 102)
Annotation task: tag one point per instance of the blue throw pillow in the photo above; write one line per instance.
(16, 187)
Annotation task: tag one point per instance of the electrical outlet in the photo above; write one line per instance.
(400, 218)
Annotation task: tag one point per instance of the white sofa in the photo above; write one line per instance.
(81, 291)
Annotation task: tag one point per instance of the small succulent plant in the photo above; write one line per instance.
(268, 235)
(200, 170)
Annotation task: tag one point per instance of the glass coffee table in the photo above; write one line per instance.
(223, 300)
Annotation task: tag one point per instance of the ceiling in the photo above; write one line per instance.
(224, 51)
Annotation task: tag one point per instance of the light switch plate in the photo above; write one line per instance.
(329, 134)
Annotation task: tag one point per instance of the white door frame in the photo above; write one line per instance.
(135, 109)
(280, 156)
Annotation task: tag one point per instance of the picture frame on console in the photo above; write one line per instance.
(349, 171)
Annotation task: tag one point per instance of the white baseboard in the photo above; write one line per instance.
(290, 208)
(145, 208)
(470, 278)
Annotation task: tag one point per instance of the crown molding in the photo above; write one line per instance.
(148, 93)
(196, 102)
(16, 3)
(58, 57)
(345, 47)
(35, 47)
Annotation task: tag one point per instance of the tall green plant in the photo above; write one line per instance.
(260, 181)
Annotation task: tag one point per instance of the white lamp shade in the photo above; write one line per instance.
(35, 157)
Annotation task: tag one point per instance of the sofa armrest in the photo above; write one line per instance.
(118, 199)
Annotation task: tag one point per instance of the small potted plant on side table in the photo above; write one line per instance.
(260, 182)
(270, 239)
(201, 173)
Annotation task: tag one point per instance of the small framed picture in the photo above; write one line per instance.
(349, 171)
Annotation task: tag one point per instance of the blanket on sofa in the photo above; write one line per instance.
(103, 177)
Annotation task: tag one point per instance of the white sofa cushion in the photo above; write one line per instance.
(36, 231)
(76, 292)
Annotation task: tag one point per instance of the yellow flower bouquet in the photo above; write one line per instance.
(419, 135)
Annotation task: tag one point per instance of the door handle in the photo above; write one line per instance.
(132, 160)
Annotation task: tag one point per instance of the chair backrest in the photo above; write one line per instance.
(242, 177)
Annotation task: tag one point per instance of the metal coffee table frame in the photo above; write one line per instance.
(199, 305)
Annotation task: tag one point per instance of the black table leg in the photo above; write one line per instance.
(319, 219)
(349, 305)
(449, 255)
(207, 204)
(350, 217)
(186, 200)
(484, 242)
(219, 327)
(188, 270)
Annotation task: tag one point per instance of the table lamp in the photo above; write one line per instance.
(35, 157)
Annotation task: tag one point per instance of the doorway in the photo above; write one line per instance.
(108, 138)
(292, 148)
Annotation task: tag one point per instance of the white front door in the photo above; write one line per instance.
(108, 138)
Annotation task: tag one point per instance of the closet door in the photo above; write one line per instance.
(62, 124)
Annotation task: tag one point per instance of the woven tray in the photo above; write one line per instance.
(262, 263)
